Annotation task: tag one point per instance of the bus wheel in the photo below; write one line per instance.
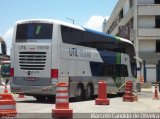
(40, 98)
(89, 91)
(51, 98)
(79, 92)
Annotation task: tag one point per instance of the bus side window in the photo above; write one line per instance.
(71, 35)
(108, 70)
(121, 70)
(96, 68)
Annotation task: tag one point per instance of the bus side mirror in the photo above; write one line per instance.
(140, 67)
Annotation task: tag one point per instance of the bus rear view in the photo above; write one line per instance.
(31, 56)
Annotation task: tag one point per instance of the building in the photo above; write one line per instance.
(138, 21)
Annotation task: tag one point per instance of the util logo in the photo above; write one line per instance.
(32, 49)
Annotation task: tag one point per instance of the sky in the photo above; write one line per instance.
(87, 13)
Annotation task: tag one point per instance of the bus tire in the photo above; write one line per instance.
(40, 98)
(50, 98)
(89, 91)
(79, 95)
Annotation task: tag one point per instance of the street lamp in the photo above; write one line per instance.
(71, 20)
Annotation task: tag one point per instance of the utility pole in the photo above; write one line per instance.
(71, 20)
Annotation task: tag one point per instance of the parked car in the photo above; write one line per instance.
(5, 72)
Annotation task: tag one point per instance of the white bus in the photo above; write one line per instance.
(45, 52)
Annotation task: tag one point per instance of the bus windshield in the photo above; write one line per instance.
(34, 32)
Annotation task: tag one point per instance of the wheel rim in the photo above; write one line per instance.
(78, 92)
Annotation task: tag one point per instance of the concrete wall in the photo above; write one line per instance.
(152, 32)
(146, 21)
(152, 9)
(151, 74)
(119, 6)
(145, 1)
(147, 45)
(126, 8)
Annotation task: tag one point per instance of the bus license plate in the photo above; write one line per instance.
(31, 79)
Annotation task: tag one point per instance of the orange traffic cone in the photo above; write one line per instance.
(7, 106)
(62, 102)
(156, 97)
(5, 89)
(128, 96)
(102, 94)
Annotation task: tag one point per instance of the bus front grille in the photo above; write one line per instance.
(32, 60)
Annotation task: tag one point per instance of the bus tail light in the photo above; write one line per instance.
(11, 72)
(54, 73)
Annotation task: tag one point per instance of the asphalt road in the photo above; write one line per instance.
(28, 107)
